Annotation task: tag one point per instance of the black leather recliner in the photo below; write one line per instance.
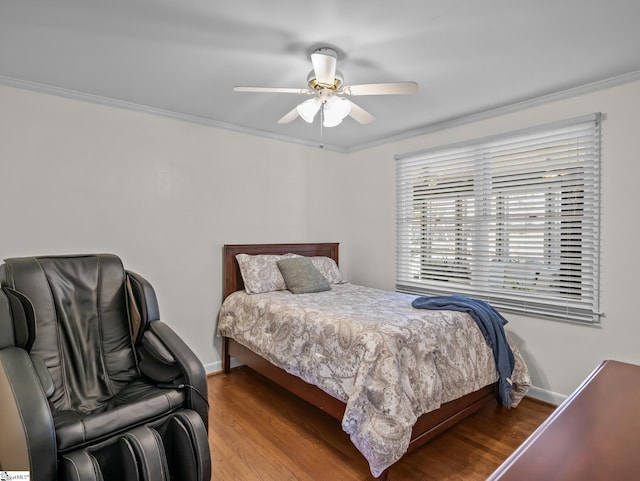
(93, 386)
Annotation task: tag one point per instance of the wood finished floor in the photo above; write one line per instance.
(257, 431)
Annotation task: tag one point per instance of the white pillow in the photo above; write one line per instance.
(260, 272)
(329, 269)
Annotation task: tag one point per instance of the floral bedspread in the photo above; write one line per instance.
(390, 363)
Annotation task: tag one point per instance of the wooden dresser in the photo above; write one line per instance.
(593, 435)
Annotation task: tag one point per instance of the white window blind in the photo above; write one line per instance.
(512, 219)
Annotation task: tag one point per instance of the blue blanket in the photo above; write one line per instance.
(490, 323)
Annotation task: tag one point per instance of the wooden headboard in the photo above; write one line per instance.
(232, 280)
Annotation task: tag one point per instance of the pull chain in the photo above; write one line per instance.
(321, 124)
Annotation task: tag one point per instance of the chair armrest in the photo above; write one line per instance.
(156, 361)
(28, 441)
(190, 366)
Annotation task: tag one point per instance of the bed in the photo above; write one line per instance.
(338, 398)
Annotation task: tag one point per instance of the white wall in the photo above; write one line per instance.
(560, 355)
(163, 194)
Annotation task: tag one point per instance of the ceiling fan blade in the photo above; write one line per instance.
(382, 89)
(360, 115)
(290, 116)
(324, 65)
(276, 90)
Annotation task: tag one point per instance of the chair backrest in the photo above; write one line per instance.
(7, 331)
(82, 328)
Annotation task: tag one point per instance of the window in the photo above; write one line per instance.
(511, 219)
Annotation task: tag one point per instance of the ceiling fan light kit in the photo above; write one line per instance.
(335, 110)
(308, 109)
(326, 83)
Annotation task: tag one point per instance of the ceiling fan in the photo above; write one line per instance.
(329, 93)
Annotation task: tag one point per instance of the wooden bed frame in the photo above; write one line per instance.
(427, 426)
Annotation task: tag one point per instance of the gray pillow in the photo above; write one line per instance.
(301, 276)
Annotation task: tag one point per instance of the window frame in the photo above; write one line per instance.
(512, 219)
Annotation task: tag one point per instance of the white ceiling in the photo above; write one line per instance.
(183, 57)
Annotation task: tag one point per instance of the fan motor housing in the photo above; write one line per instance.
(318, 86)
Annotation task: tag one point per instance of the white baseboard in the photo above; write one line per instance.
(546, 395)
(213, 367)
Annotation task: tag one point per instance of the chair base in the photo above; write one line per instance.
(175, 447)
